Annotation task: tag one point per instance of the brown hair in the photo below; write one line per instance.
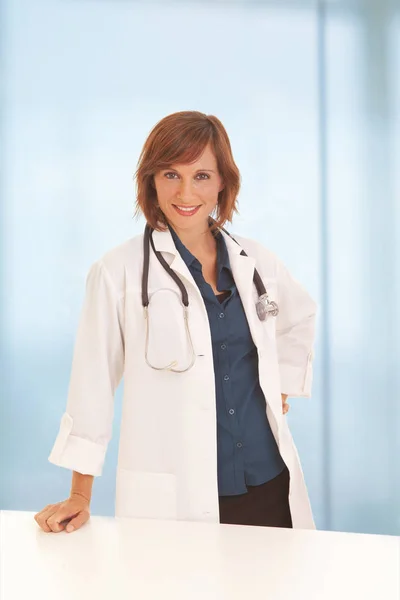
(182, 138)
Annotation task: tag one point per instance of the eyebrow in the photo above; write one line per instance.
(198, 170)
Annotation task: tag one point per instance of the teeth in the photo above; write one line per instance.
(185, 209)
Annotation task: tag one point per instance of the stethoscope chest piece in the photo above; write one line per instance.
(265, 308)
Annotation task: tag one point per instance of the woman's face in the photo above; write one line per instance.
(188, 194)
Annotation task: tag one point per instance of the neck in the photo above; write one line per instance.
(197, 242)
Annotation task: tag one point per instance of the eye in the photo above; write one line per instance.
(170, 175)
(199, 176)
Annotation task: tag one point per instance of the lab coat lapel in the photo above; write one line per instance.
(164, 243)
(243, 273)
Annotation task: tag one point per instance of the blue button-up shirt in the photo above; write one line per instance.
(246, 448)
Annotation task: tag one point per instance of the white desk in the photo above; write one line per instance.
(118, 559)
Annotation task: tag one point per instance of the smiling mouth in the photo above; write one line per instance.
(186, 211)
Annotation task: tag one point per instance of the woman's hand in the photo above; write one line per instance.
(285, 406)
(70, 515)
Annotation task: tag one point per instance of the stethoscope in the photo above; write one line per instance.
(264, 306)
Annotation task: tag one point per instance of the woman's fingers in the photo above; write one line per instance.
(42, 516)
(56, 517)
(78, 521)
(285, 405)
(59, 520)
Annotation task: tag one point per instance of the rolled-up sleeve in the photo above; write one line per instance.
(295, 334)
(97, 369)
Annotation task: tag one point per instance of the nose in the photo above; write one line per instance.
(185, 191)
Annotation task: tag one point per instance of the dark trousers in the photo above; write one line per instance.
(265, 505)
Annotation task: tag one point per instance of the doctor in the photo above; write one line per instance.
(211, 335)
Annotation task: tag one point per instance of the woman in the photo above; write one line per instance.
(203, 431)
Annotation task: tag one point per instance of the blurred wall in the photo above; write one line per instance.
(309, 93)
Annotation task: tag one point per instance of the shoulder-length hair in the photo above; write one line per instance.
(181, 138)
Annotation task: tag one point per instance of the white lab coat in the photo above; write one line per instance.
(167, 464)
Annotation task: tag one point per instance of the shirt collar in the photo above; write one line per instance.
(187, 256)
(222, 254)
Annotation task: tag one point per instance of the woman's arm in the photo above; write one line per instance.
(295, 333)
(82, 485)
(97, 369)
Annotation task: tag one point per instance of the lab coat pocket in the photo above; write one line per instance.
(146, 495)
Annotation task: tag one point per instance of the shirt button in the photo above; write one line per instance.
(231, 411)
(223, 346)
(221, 315)
(239, 444)
(226, 377)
